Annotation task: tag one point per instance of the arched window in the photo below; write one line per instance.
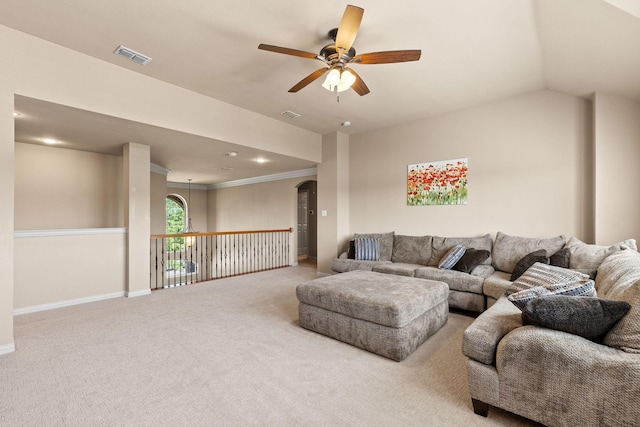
(176, 214)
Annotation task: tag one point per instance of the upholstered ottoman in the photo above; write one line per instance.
(385, 314)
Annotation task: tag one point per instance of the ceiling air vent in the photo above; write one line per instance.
(132, 55)
(290, 114)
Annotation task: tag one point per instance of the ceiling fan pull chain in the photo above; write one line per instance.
(337, 93)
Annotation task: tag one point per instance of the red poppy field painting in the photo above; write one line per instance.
(437, 183)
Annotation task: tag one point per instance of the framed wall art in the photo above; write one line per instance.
(437, 183)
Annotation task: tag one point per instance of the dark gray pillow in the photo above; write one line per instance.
(352, 250)
(587, 317)
(527, 261)
(561, 258)
(471, 259)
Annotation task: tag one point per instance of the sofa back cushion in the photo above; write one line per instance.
(587, 258)
(441, 245)
(411, 249)
(618, 279)
(508, 250)
(385, 243)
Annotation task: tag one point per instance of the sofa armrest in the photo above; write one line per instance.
(541, 368)
(481, 338)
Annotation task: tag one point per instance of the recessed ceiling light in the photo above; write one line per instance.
(232, 153)
(345, 124)
(49, 141)
(16, 114)
(261, 160)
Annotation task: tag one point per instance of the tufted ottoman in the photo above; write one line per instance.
(383, 313)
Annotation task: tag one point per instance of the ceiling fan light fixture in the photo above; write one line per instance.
(339, 80)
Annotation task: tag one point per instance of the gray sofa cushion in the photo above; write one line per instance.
(619, 279)
(441, 245)
(508, 250)
(385, 241)
(398, 268)
(411, 249)
(496, 285)
(343, 265)
(587, 258)
(456, 280)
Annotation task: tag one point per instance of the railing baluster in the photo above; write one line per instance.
(180, 260)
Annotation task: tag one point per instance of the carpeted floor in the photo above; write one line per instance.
(229, 353)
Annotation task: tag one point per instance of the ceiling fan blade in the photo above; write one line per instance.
(348, 28)
(287, 51)
(359, 86)
(310, 78)
(387, 57)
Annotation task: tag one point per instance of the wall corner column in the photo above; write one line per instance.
(7, 155)
(333, 199)
(137, 214)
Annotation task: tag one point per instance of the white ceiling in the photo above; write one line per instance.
(473, 52)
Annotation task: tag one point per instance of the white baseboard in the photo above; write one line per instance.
(67, 303)
(137, 293)
(8, 348)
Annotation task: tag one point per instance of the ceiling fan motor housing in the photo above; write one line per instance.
(332, 57)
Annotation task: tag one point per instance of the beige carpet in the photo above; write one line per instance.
(227, 352)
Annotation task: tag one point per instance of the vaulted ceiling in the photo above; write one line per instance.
(473, 51)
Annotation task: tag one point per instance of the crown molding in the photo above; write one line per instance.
(159, 169)
(171, 184)
(266, 178)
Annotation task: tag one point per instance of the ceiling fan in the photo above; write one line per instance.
(341, 53)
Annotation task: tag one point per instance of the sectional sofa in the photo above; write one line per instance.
(560, 360)
(475, 282)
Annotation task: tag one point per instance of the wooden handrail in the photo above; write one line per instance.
(219, 233)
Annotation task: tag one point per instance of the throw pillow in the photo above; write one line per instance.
(540, 274)
(521, 298)
(367, 249)
(587, 317)
(527, 261)
(352, 250)
(441, 245)
(583, 288)
(451, 257)
(385, 242)
(561, 258)
(471, 259)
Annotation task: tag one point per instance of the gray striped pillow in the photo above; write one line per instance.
(451, 257)
(367, 249)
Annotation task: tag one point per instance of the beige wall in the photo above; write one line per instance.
(7, 147)
(617, 151)
(529, 170)
(263, 206)
(76, 265)
(333, 198)
(58, 188)
(158, 203)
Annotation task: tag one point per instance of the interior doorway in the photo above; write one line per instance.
(307, 220)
